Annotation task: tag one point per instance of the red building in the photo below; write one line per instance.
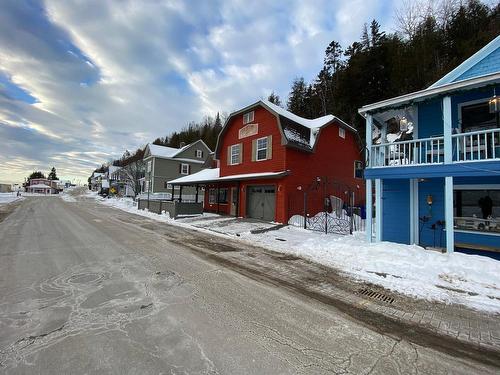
(266, 155)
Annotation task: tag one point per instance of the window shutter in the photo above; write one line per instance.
(240, 160)
(189, 168)
(254, 149)
(180, 168)
(228, 155)
(270, 147)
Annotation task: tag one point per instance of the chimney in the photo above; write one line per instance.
(182, 144)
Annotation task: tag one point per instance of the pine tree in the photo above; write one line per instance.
(297, 98)
(52, 174)
(275, 99)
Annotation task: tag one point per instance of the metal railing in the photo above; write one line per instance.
(471, 146)
(478, 145)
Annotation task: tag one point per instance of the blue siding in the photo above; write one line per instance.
(428, 235)
(475, 238)
(490, 64)
(396, 211)
(430, 121)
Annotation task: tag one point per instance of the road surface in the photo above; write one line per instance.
(83, 290)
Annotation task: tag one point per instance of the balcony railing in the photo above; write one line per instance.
(474, 146)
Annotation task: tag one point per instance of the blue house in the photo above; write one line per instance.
(434, 160)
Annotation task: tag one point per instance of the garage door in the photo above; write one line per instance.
(261, 202)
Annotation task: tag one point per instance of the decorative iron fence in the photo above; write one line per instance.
(328, 206)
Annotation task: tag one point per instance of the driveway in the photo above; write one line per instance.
(89, 289)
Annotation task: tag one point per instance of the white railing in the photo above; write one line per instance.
(405, 153)
(476, 146)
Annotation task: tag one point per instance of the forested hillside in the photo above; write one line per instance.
(431, 40)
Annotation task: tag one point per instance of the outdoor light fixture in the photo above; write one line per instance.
(429, 200)
(403, 124)
(494, 103)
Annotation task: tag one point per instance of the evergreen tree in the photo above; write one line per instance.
(297, 98)
(36, 174)
(275, 99)
(52, 174)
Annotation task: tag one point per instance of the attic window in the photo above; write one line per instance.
(199, 153)
(342, 133)
(248, 117)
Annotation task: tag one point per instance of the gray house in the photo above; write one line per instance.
(166, 163)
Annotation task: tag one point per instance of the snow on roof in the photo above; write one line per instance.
(311, 124)
(162, 151)
(40, 186)
(212, 175)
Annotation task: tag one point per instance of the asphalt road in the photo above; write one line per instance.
(83, 291)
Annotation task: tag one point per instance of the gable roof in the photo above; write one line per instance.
(470, 67)
(298, 132)
(168, 152)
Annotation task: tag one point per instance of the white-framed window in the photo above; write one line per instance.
(261, 150)
(199, 153)
(342, 133)
(248, 117)
(235, 154)
(358, 169)
(184, 168)
(149, 165)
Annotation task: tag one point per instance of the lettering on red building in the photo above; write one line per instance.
(248, 130)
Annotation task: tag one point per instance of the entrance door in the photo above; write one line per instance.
(261, 202)
(234, 201)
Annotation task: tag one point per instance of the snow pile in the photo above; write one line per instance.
(8, 197)
(458, 278)
(471, 280)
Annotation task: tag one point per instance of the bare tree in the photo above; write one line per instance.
(410, 15)
(131, 175)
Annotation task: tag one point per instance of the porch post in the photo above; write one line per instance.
(238, 199)
(378, 210)
(180, 193)
(218, 206)
(448, 211)
(448, 156)
(369, 208)
(172, 194)
(196, 199)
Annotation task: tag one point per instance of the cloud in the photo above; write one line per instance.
(85, 80)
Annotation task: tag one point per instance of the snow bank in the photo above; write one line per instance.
(458, 278)
(471, 280)
(8, 197)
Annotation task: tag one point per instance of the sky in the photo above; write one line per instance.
(81, 81)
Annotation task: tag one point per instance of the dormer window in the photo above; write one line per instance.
(248, 117)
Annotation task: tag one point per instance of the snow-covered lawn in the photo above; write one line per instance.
(471, 280)
(8, 197)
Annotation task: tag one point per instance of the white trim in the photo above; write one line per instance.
(182, 169)
(378, 209)
(447, 130)
(369, 211)
(477, 187)
(257, 148)
(469, 63)
(448, 214)
(477, 232)
(237, 155)
(426, 93)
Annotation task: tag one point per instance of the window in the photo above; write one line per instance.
(184, 168)
(248, 117)
(477, 210)
(261, 151)
(342, 133)
(223, 195)
(212, 196)
(199, 153)
(235, 154)
(166, 185)
(358, 169)
(149, 166)
(477, 117)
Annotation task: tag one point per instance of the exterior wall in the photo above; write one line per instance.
(190, 152)
(488, 65)
(164, 170)
(396, 213)
(5, 188)
(268, 125)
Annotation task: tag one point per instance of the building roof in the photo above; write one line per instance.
(298, 131)
(213, 175)
(472, 73)
(170, 152)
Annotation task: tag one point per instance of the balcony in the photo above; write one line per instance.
(482, 145)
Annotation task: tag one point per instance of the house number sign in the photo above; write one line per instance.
(248, 130)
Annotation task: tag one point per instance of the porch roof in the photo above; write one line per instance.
(417, 96)
(213, 175)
